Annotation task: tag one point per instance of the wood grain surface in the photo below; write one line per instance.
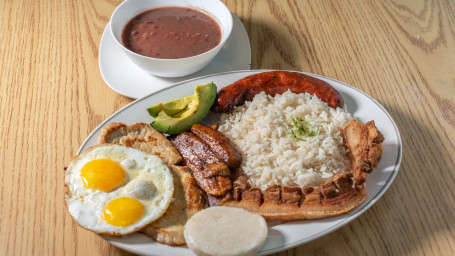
(401, 52)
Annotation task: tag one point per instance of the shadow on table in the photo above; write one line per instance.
(271, 47)
(417, 207)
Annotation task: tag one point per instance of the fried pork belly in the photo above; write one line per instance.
(277, 203)
(364, 142)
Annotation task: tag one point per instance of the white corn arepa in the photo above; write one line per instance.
(225, 231)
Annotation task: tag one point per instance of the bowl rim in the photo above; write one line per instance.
(216, 48)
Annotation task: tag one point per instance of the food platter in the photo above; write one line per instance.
(287, 235)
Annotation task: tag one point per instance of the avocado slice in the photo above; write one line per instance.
(176, 120)
(172, 107)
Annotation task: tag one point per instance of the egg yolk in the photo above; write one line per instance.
(123, 211)
(102, 174)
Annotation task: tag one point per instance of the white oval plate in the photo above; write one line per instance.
(288, 235)
(125, 78)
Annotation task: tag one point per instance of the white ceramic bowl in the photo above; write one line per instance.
(171, 67)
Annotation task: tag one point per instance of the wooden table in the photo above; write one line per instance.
(401, 52)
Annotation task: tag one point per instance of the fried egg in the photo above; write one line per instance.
(116, 190)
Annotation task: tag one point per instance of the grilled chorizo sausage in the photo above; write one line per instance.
(219, 144)
(272, 83)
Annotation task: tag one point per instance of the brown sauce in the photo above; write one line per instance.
(171, 33)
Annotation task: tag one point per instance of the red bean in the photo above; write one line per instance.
(179, 26)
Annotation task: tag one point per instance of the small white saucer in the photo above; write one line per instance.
(124, 77)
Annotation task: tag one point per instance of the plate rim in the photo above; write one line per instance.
(353, 216)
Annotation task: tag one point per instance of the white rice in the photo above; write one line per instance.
(260, 130)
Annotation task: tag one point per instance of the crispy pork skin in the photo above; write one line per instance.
(364, 142)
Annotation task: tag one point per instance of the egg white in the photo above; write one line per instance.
(148, 180)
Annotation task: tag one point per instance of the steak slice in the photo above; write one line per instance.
(141, 136)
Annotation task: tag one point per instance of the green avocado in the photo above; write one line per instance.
(179, 115)
(172, 107)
